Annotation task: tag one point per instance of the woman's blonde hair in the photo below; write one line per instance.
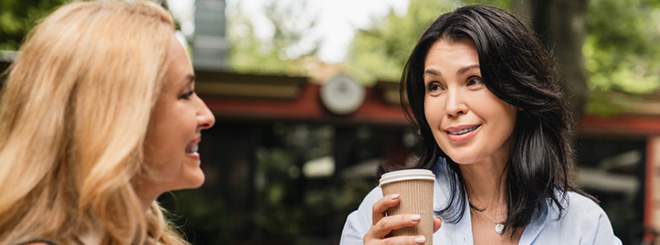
(73, 118)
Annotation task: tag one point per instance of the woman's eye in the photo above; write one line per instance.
(474, 81)
(434, 87)
(186, 95)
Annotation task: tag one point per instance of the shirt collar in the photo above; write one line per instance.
(532, 230)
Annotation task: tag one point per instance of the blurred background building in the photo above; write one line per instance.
(307, 106)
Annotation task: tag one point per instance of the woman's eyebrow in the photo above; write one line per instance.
(432, 72)
(190, 78)
(459, 72)
(467, 68)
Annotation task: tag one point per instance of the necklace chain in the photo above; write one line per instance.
(483, 215)
(499, 226)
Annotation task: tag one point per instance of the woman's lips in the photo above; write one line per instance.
(192, 148)
(461, 133)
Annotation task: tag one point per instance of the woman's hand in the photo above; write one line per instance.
(382, 225)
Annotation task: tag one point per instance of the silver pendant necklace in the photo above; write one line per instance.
(499, 226)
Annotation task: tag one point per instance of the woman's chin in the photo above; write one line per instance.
(198, 181)
(462, 160)
(194, 181)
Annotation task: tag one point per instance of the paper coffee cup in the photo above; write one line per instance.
(415, 189)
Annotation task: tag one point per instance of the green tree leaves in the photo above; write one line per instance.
(249, 53)
(17, 17)
(622, 52)
(381, 52)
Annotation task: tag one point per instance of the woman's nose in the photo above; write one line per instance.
(205, 118)
(456, 104)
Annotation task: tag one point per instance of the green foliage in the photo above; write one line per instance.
(377, 53)
(273, 177)
(249, 53)
(17, 17)
(503, 4)
(380, 52)
(621, 52)
(201, 214)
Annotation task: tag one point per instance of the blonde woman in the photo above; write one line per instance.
(98, 118)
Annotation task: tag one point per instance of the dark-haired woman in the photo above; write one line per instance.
(496, 133)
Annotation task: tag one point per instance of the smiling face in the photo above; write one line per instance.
(174, 129)
(468, 122)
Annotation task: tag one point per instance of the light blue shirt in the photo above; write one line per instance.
(583, 221)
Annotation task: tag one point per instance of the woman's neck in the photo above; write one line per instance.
(147, 198)
(147, 192)
(485, 184)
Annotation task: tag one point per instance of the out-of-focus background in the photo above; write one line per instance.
(305, 95)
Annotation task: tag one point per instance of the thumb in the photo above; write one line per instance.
(437, 222)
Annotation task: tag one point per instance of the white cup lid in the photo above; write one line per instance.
(406, 174)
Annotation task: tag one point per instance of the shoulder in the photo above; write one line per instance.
(583, 218)
(580, 203)
(359, 221)
(581, 208)
(365, 208)
(575, 208)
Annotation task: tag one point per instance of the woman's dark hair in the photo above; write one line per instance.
(517, 70)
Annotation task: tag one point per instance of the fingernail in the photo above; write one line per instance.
(415, 217)
(420, 240)
(395, 196)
